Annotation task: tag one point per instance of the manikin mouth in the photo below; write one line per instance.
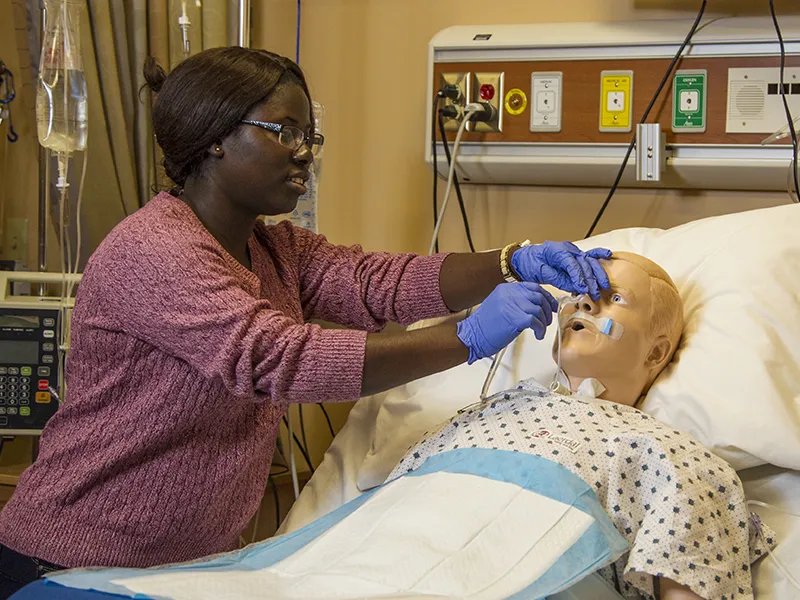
(578, 325)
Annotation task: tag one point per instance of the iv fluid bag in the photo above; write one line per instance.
(61, 91)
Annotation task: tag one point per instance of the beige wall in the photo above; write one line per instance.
(366, 62)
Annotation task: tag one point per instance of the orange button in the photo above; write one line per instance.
(43, 397)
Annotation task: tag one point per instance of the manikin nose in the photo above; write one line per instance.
(586, 304)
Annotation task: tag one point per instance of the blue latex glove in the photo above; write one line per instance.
(509, 310)
(563, 265)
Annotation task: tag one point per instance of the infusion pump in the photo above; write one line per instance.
(34, 335)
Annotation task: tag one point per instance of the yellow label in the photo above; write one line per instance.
(516, 102)
(615, 102)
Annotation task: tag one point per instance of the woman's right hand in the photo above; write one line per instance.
(508, 311)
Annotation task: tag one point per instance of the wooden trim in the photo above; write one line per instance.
(581, 98)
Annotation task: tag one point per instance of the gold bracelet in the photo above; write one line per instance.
(505, 265)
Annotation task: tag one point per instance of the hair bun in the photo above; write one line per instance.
(154, 74)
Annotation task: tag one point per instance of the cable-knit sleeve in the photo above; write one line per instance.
(345, 285)
(183, 299)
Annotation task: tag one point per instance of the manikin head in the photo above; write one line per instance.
(642, 299)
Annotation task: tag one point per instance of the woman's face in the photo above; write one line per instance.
(256, 170)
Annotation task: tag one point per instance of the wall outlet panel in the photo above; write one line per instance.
(546, 91)
(496, 81)
(616, 101)
(689, 101)
(462, 80)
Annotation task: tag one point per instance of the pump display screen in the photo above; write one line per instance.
(19, 353)
(26, 321)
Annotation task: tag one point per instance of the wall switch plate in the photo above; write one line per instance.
(546, 101)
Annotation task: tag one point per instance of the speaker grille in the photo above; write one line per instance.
(747, 99)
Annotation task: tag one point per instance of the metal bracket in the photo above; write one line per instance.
(651, 155)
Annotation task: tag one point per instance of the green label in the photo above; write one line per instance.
(688, 104)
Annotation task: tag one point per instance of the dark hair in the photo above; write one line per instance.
(205, 96)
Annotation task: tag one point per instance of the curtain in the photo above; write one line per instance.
(123, 163)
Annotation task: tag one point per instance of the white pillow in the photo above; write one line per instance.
(735, 381)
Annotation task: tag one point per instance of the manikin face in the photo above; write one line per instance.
(586, 352)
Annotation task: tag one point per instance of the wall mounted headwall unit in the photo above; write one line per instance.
(571, 95)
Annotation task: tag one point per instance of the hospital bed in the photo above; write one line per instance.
(734, 384)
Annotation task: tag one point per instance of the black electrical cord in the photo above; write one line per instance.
(464, 217)
(644, 117)
(789, 117)
(299, 445)
(277, 502)
(328, 419)
(437, 99)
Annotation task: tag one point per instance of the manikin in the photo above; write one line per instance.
(644, 304)
(665, 493)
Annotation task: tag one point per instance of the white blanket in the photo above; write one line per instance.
(480, 524)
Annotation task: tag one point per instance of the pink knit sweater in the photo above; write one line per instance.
(182, 365)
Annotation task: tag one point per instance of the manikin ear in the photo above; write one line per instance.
(659, 354)
(216, 150)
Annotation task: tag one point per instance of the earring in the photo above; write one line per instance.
(218, 149)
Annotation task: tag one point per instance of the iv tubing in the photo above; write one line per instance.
(784, 571)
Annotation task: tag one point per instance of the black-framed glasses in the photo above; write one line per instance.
(291, 137)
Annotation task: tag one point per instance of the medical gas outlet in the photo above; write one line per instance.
(616, 101)
(461, 82)
(689, 101)
(546, 102)
(487, 88)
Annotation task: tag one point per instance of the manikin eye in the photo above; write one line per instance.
(617, 299)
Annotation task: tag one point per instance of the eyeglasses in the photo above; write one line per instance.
(292, 137)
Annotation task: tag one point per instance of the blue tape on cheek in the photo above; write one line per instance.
(606, 330)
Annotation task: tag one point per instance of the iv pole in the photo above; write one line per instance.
(244, 41)
(244, 23)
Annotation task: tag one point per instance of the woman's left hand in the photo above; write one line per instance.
(563, 265)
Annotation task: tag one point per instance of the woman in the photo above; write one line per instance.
(190, 334)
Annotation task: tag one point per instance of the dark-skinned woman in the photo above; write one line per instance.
(191, 332)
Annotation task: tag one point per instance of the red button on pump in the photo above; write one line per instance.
(44, 384)
(487, 91)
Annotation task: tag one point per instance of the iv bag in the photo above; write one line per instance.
(305, 213)
(61, 92)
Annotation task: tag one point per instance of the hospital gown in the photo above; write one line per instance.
(681, 508)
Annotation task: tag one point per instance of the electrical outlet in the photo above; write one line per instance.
(488, 87)
(462, 81)
(15, 240)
